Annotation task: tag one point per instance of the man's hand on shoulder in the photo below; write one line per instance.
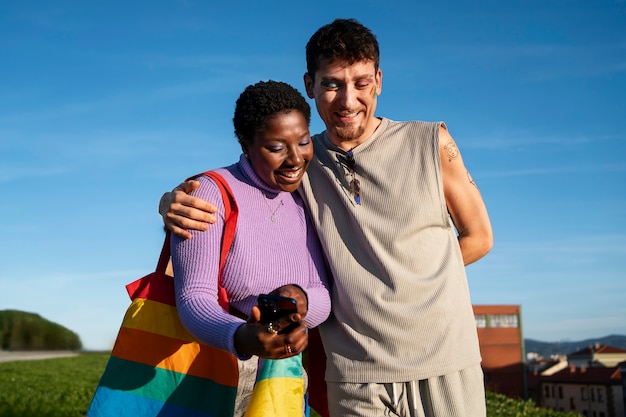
(182, 212)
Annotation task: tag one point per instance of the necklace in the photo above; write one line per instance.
(280, 203)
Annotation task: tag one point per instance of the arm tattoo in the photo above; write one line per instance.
(451, 150)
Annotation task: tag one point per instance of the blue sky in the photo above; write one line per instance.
(104, 105)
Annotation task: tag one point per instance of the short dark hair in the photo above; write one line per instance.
(261, 102)
(343, 39)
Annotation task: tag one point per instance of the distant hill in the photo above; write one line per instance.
(20, 330)
(547, 349)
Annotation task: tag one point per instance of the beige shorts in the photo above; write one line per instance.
(459, 394)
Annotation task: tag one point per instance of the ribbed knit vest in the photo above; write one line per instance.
(400, 299)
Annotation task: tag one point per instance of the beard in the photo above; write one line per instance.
(348, 133)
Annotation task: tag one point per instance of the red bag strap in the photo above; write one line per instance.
(231, 212)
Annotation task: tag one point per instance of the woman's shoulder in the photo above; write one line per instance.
(208, 189)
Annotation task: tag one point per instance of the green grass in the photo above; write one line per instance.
(50, 388)
(501, 406)
(63, 388)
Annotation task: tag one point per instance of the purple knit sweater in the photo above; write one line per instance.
(264, 256)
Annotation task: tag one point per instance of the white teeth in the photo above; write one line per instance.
(293, 173)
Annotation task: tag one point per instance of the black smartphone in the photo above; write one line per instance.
(274, 307)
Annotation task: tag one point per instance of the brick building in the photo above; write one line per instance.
(590, 382)
(502, 348)
(591, 392)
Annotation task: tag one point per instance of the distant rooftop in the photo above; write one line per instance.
(597, 348)
(586, 375)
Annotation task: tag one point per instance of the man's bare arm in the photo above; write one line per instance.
(465, 204)
(182, 212)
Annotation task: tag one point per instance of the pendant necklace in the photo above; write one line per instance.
(280, 203)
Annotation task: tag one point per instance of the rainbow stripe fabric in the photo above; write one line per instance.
(279, 390)
(192, 379)
(156, 366)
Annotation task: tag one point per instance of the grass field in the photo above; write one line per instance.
(60, 387)
(63, 387)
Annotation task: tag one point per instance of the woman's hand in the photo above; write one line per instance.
(267, 340)
(297, 293)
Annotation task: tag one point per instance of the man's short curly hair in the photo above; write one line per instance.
(260, 103)
(342, 40)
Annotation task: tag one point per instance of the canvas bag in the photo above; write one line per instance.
(157, 368)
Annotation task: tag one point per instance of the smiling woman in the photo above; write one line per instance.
(275, 249)
(281, 154)
(262, 244)
(274, 134)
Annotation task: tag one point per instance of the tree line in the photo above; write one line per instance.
(20, 330)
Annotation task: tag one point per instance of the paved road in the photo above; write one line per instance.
(6, 356)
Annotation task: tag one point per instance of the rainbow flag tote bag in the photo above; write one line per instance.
(157, 368)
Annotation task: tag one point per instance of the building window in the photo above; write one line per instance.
(503, 320)
(572, 405)
(481, 321)
(560, 392)
(583, 393)
(546, 390)
(593, 395)
(600, 395)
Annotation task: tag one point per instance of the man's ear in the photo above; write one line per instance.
(308, 85)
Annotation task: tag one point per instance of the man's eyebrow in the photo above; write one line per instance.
(362, 77)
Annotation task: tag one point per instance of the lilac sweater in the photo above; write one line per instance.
(264, 255)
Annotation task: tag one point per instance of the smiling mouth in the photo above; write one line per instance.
(291, 174)
(347, 117)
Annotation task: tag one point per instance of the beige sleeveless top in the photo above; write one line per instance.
(401, 308)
